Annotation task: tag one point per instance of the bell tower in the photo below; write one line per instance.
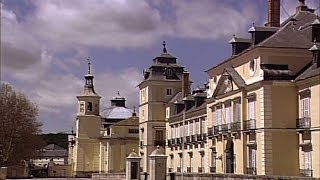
(87, 129)
(162, 82)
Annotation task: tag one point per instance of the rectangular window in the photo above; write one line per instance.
(307, 160)
(219, 115)
(228, 113)
(172, 132)
(203, 125)
(134, 131)
(236, 111)
(252, 158)
(186, 129)
(191, 127)
(159, 135)
(196, 129)
(181, 130)
(305, 107)
(168, 91)
(252, 109)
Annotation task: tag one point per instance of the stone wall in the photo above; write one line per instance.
(198, 176)
(109, 176)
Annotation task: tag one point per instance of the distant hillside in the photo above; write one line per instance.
(58, 139)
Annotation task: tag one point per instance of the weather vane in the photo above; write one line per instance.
(89, 65)
(164, 46)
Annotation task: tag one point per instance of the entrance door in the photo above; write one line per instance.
(229, 157)
(134, 170)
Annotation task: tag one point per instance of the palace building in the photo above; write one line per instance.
(103, 139)
(258, 114)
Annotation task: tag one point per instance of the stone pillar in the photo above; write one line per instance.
(133, 166)
(158, 165)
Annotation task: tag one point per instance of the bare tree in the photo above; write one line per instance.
(19, 127)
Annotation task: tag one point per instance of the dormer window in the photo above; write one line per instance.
(89, 106)
(169, 92)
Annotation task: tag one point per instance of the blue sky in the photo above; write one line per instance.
(45, 43)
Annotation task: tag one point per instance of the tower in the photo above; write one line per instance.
(87, 129)
(162, 81)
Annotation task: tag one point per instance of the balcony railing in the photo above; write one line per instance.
(178, 169)
(189, 169)
(204, 136)
(213, 169)
(306, 172)
(173, 142)
(235, 126)
(201, 169)
(141, 144)
(304, 122)
(210, 132)
(199, 137)
(178, 140)
(188, 140)
(170, 169)
(216, 130)
(159, 142)
(225, 128)
(249, 124)
(193, 138)
(251, 170)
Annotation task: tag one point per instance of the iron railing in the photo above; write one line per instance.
(251, 170)
(235, 126)
(249, 124)
(213, 169)
(304, 122)
(201, 169)
(189, 169)
(306, 172)
(210, 132)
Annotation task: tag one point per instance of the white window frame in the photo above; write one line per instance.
(169, 91)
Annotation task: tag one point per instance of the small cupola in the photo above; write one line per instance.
(315, 49)
(165, 57)
(239, 44)
(259, 34)
(118, 100)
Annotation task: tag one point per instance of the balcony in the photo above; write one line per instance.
(225, 128)
(306, 172)
(173, 142)
(188, 140)
(178, 169)
(210, 132)
(251, 170)
(178, 140)
(204, 137)
(201, 169)
(159, 142)
(216, 130)
(236, 126)
(213, 169)
(189, 169)
(249, 125)
(193, 138)
(199, 138)
(304, 123)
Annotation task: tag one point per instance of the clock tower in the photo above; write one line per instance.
(162, 82)
(87, 129)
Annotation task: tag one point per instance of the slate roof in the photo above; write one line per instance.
(116, 112)
(295, 32)
(310, 72)
(51, 151)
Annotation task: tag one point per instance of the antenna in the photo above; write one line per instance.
(89, 65)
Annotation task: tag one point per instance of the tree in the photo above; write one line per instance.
(19, 127)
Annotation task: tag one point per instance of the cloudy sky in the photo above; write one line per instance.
(44, 44)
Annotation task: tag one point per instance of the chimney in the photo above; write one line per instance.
(185, 84)
(273, 13)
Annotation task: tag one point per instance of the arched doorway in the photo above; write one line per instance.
(229, 156)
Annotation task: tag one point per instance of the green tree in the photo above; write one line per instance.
(19, 127)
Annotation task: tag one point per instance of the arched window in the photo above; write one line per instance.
(89, 106)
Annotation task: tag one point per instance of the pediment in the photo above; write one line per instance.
(229, 81)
